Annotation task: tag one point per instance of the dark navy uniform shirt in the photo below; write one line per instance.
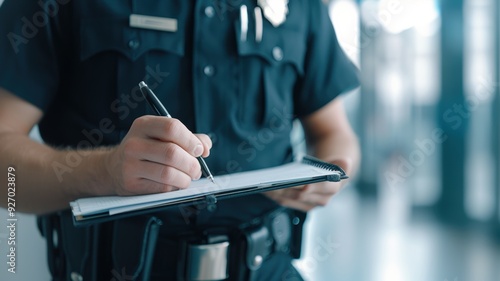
(80, 62)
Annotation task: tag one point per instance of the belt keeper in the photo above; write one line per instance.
(211, 202)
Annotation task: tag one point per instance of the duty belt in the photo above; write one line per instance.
(136, 248)
(229, 254)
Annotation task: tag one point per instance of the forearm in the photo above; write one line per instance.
(48, 179)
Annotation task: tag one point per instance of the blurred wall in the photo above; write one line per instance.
(31, 261)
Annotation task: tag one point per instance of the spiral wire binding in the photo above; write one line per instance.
(323, 165)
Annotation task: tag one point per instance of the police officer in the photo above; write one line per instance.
(235, 72)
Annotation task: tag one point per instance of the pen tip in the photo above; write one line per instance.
(142, 84)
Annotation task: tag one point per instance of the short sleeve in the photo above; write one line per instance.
(328, 71)
(28, 62)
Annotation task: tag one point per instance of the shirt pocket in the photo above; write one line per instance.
(119, 57)
(269, 71)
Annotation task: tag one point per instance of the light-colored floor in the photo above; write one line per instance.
(358, 239)
(30, 250)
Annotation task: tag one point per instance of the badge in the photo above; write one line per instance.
(275, 11)
(156, 23)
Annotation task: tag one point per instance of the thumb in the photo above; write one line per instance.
(344, 163)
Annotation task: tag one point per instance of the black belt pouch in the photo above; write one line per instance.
(119, 250)
(133, 247)
(69, 249)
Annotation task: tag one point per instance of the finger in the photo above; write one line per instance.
(168, 154)
(288, 193)
(314, 199)
(344, 163)
(163, 175)
(207, 144)
(300, 187)
(326, 188)
(168, 130)
(146, 186)
(294, 204)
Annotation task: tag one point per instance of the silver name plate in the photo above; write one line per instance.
(155, 23)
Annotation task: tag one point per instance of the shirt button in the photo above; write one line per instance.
(76, 277)
(209, 12)
(213, 137)
(133, 44)
(209, 70)
(277, 53)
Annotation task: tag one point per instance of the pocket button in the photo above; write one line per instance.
(76, 277)
(209, 12)
(133, 44)
(213, 137)
(209, 70)
(277, 53)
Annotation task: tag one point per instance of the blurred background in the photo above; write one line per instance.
(425, 204)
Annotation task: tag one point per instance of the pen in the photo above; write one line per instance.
(244, 22)
(158, 107)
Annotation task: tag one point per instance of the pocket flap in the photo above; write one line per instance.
(100, 35)
(278, 45)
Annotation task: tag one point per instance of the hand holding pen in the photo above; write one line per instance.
(158, 154)
(158, 107)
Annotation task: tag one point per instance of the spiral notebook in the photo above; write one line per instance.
(308, 170)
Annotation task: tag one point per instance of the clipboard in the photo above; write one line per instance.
(88, 211)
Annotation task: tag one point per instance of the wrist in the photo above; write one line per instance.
(90, 176)
(108, 162)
